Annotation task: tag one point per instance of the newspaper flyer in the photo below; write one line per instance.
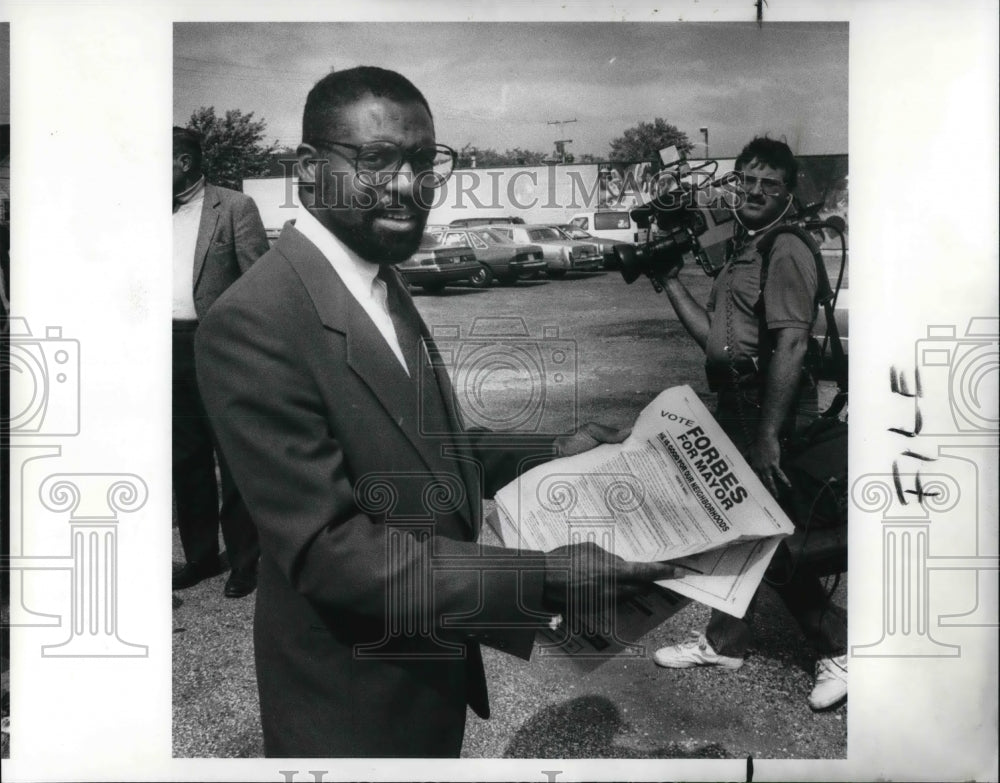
(676, 489)
(587, 643)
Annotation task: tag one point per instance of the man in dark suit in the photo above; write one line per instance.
(373, 596)
(218, 234)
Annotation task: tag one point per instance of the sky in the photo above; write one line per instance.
(499, 85)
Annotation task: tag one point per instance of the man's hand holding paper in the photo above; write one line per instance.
(675, 488)
(587, 437)
(603, 577)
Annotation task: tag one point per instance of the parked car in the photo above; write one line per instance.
(502, 259)
(561, 255)
(434, 265)
(484, 221)
(614, 224)
(606, 246)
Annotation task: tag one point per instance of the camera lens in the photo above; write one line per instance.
(628, 262)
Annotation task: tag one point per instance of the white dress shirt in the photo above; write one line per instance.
(358, 274)
(187, 218)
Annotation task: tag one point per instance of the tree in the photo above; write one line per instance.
(828, 176)
(520, 157)
(485, 158)
(232, 146)
(282, 162)
(645, 140)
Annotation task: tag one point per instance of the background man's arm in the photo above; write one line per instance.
(780, 392)
(789, 303)
(248, 233)
(691, 313)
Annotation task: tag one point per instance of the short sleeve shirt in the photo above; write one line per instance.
(789, 300)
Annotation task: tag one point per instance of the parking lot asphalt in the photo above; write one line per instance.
(614, 348)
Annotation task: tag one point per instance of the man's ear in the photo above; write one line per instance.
(305, 164)
(185, 161)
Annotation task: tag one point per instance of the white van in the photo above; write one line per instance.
(614, 224)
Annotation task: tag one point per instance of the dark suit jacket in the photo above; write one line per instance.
(320, 426)
(231, 237)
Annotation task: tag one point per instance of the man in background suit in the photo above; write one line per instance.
(374, 596)
(218, 234)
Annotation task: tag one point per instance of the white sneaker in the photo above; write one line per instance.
(694, 652)
(831, 683)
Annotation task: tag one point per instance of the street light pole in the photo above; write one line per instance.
(704, 133)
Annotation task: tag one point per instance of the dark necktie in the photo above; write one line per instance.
(407, 329)
(407, 325)
(434, 418)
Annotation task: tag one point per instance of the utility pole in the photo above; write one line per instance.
(561, 148)
(561, 143)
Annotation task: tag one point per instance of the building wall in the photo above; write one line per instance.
(537, 194)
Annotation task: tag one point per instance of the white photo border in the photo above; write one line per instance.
(91, 94)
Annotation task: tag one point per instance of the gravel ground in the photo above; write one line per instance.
(626, 708)
(628, 347)
(630, 708)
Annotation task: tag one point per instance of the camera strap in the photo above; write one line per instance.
(824, 298)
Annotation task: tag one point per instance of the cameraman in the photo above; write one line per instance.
(758, 400)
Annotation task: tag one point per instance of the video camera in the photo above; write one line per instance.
(692, 216)
(693, 213)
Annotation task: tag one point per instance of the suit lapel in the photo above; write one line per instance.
(206, 230)
(468, 466)
(437, 412)
(370, 358)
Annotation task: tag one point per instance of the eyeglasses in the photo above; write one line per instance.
(379, 161)
(740, 181)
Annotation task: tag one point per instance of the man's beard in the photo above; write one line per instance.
(375, 238)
